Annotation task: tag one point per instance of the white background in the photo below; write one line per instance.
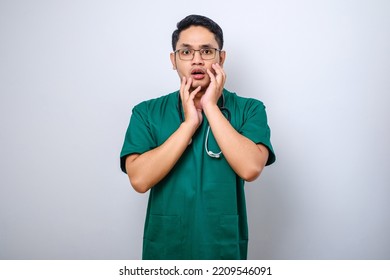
(71, 71)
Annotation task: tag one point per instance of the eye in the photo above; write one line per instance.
(185, 52)
(207, 51)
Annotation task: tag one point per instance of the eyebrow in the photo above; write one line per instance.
(204, 46)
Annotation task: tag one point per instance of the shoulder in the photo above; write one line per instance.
(243, 103)
(157, 103)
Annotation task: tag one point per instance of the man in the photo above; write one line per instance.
(193, 149)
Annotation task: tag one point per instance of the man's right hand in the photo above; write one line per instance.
(192, 115)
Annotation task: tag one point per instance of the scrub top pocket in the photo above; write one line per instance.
(220, 238)
(163, 238)
(229, 242)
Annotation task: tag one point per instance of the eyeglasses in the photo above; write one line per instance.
(188, 54)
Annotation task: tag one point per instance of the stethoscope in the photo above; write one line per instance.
(223, 110)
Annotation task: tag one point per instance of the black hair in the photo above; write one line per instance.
(197, 20)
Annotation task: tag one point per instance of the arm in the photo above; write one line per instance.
(245, 157)
(147, 169)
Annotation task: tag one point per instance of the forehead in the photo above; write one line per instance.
(196, 36)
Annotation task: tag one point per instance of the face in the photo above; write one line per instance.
(196, 37)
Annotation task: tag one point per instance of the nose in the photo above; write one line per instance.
(197, 59)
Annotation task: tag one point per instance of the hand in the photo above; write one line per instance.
(215, 88)
(192, 115)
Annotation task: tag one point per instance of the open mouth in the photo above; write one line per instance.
(198, 74)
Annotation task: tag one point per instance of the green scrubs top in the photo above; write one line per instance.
(198, 210)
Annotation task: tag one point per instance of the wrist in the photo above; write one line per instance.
(188, 129)
(210, 108)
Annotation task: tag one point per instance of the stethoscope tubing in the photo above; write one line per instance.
(222, 108)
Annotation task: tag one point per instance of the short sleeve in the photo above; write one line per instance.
(255, 127)
(138, 138)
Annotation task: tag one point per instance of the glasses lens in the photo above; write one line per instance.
(207, 53)
(188, 54)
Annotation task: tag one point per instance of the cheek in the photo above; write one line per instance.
(182, 73)
(180, 70)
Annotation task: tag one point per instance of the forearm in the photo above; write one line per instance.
(147, 169)
(245, 157)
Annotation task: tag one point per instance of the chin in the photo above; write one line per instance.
(203, 84)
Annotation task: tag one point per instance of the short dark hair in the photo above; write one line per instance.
(197, 20)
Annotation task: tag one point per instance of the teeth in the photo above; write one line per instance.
(197, 72)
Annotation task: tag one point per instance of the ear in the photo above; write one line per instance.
(173, 60)
(222, 57)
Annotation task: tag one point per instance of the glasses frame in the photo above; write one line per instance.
(194, 51)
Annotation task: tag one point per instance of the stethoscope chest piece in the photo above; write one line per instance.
(206, 145)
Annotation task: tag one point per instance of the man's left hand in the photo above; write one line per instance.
(215, 88)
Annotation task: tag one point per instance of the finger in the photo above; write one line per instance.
(194, 93)
(220, 74)
(182, 87)
(211, 75)
(188, 85)
(218, 70)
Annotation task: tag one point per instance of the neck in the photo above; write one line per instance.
(197, 100)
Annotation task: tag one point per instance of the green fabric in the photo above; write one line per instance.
(198, 210)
